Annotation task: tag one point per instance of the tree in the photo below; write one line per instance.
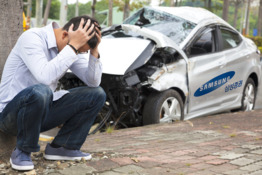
(209, 5)
(54, 8)
(237, 5)
(246, 27)
(110, 13)
(93, 8)
(126, 9)
(47, 9)
(11, 27)
(260, 18)
(225, 10)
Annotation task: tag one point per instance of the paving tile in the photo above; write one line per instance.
(217, 162)
(256, 173)
(111, 173)
(231, 156)
(208, 157)
(102, 165)
(202, 166)
(219, 169)
(158, 171)
(257, 152)
(252, 167)
(251, 147)
(242, 161)
(79, 169)
(235, 172)
(128, 169)
(123, 160)
(259, 163)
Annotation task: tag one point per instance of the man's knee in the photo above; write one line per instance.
(41, 92)
(101, 94)
(98, 95)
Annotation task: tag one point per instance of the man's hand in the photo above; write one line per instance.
(95, 51)
(79, 37)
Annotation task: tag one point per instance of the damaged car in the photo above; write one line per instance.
(174, 63)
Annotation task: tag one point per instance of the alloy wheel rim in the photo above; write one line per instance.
(170, 110)
(249, 97)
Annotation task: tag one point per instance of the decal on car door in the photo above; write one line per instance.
(214, 83)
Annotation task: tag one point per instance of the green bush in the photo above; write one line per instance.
(260, 49)
(257, 40)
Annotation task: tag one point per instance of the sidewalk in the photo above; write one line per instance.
(229, 143)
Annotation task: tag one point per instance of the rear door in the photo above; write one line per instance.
(206, 72)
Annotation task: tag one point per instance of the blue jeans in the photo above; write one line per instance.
(33, 111)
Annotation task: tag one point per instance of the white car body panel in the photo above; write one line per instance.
(113, 49)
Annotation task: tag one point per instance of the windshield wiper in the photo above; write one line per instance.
(111, 29)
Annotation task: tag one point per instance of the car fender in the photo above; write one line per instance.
(174, 75)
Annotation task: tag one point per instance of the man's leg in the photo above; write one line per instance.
(77, 111)
(23, 117)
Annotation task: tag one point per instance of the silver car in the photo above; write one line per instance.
(174, 63)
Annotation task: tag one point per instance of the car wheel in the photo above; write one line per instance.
(163, 107)
(249, 96)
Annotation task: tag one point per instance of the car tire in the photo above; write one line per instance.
(158, 107)
(249, 96)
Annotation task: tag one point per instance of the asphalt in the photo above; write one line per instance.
(229, 143)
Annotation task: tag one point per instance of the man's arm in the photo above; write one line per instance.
(89, 71)
(34, 54)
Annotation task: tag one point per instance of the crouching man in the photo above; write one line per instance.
(29, 103)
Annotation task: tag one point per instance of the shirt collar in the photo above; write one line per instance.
(51, 40)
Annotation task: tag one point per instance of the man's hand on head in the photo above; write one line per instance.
(95, 51)
(79, 37)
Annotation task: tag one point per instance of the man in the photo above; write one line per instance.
(29, 103)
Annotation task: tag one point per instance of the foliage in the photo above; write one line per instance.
(257, 40)
(216, 7)
(54, 9)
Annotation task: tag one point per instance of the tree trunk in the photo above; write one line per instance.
(11, 28)
(172, 3)
(205, 3)
(237, 3)
(176, 4)
(209, 5)
(47, 9)
(225, 10)
(246, 29)
(126, 9)
(110, 13)
(93, 8)
(260, 19)
(77, 8)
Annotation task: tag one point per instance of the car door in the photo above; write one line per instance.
(205, 72)
(238, 61)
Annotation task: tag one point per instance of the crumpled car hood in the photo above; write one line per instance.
(118, 54)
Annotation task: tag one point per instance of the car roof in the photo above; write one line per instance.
(196, 15)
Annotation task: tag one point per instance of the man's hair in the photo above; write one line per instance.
(76, 21)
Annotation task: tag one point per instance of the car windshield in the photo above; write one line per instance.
(172, 26)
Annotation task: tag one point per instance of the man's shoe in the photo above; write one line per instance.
(21, 160)
(62, 153)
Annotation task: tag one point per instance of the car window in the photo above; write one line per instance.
(172, 26)
(204, 45)
(230, 39)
